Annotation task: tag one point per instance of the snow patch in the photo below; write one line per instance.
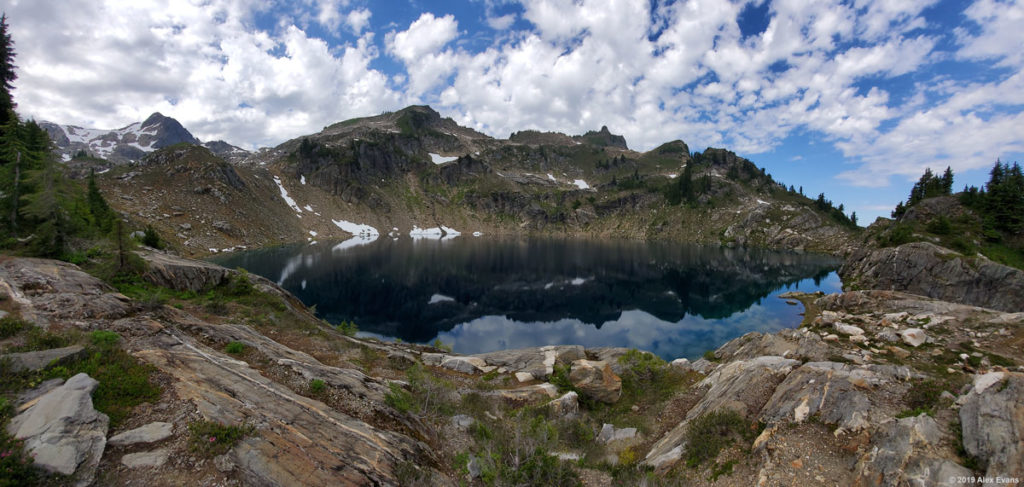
(302, 179)
(312, 233)
(439, 159)
(357, 229)
(103, 171)
(672, 175)
(477, 234)
(581, 184)
(440, 298)
(578, 281)
(762, 202)
(303, 284)
(284, 194)
(442, 233)
(308, 208)
(552, 177)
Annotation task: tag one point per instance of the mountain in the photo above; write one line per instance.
(130, 143)
(414, 169)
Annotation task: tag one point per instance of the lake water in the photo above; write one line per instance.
(483, 294)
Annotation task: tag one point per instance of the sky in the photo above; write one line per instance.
(851, 98)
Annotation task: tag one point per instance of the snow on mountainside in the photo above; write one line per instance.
(130, 143)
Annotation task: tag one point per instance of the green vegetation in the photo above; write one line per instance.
(104, 339)
(234, 348)
(15, 465)
(10, 326)
(209, 439)
(348, 328)
(123, 381)
(316, 386)
(710, 433)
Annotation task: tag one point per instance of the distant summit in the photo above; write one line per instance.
(129, 143)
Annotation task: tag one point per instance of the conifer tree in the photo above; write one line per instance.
(7, 74)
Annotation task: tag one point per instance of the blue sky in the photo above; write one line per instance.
(851, 98)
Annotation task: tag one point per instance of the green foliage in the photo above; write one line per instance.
(235, 348)
(722, 469)
(440, 345)
(398, 398)
(898, 234)
(240, 285)
(940, 226)
(39, 339)
(710, 356)
(15, 464)
(210, 439)
(10, 326)
(348, 328)
(123, 381)
(708, 434)
(104, 338)
(316, 386)
(151, 239)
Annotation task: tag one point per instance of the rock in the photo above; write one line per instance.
(155, 458)
(888, 335)
(898, 352)
(149, 433)
(831, 337)
(466, 365)
(787, 343)
(63, 431)
(39, 360)
(528, 394)
(222, 226)
(473, 467)
(907, 452)
(432, 359)
(992, 418)
(539, 361)
(462, 421)
(929, 270)
(913, 336)
(524, 376)
(680, 364)
(595, 379)
(703, 365)
(39, 391)
(858, 339)
(3, 314)
(610, 433)
(849, 330)
(608, 354)
(183, 274)
(49, 290)
(567, 405)
(741, 386)
(185, 226)
(223, 463)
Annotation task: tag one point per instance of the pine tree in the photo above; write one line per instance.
(14, 157)
(99, 210)
(7, 74)
(947, 181)
(853, 218)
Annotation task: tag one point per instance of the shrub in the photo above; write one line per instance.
(438, 344)
(348, 328)
(235, 348)
(123, 381)
(709, 433)
(10, 326)
(399, 398)
(317, 386)
(104, 338)
(151, 239)
(209, 438)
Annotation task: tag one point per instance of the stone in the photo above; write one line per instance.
(222, 226)
(703, 365)
(926, 269)
(913, 336)
(432, 359)
(992, 419)
(831, 337)
(565, 406)
(466, 365)
(680, 364)
(223, 463)
(858, 339)
(849, 330)
(183, 274)
(539, 361)
(39, 360)
(524, 376)
(888, 335)
(899, 352)
(185, 226)
(596, 380)
(907, 452)
(609, 433)
(785, 343)
(608, 354)
(150, 433)
(462, 421)
(63, 431)
(49, 291)
(473, 467)
(155, 458)
(3, 314)
(528, 394)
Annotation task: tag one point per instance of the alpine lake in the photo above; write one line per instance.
(479, 294)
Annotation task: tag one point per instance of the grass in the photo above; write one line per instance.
(234, 348)
(316, 386)
(10, 326)
(709, 434)
(209, 438)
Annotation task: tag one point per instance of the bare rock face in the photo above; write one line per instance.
(929, 270)
(794, 344)
(149, 433)
(298, 440)
(992, 417)
(905, 452)
(63, 431)
(40, 359)
(49, 290)
(538, 361)
(596, 380)
(182, 274)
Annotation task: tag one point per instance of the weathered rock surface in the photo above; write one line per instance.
(992, 417)
(905, 452)
(150, 433)
(347, 451)
(795, 344)
(155, 458)
(565, 406)
(529, 394)
(609, 433)
(596, 380)
(914, 337)
(49, 290)
(538, 361)
(183, 274)
(40, 359)
(929, 270)
(63, 431)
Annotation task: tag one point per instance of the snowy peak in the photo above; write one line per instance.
(129, 143)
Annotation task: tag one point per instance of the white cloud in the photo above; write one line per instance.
(501, 22)
(357, 20)
(1000, 23)
(426, 35)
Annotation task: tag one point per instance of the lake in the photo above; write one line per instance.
(484, 294)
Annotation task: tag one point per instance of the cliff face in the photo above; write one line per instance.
(929, 270)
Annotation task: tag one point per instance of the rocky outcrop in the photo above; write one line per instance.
(596, 380)
(540, 362)
(150, 433)
(929, 270)
(907, 452)
(49, 290)
(40, 359)
(183, 275)
(992, 418)
(63, 431)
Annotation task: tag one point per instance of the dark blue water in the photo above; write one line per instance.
(480, 294)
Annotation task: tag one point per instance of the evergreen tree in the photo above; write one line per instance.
(99, 210)
(7, 74)
(853, 218)
(14, 157)
(947, 181)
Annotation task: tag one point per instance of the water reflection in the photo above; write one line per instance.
(484, 294)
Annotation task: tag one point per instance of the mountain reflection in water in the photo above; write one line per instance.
(481, 294)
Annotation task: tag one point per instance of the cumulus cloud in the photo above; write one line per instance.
(859, 75)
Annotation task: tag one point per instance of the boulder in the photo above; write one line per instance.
(40, 359)
(150, 433)
(595, 379)
(907, 452)
(609, 433)
(992, 417)
(539, 361)
(929, 270)
(610, 355)
(155, 458)
(913, 336)
(183, 274)
(466, 365)
(63, 431)
(848, 330)
(524, 377)
(528, 394)
(798, 344)
(462, 421)
(566, 405)
(49, 290)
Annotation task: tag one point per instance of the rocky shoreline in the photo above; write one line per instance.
(876, 388)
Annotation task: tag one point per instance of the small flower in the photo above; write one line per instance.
(213, 439)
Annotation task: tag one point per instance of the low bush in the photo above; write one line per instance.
(234, 348)
(123, 381)
(209, 438)
(710, 433)
(317, 386)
